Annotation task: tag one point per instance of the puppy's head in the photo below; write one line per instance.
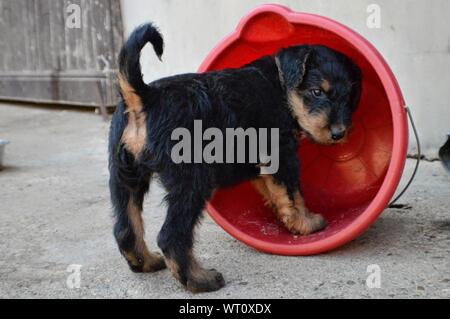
(323, 89)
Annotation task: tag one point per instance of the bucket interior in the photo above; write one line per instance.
(337, 181)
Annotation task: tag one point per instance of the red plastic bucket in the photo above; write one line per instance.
(350, 184)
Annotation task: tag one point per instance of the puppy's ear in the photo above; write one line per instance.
(292, 64)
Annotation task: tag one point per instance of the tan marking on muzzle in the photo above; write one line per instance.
(314, 124)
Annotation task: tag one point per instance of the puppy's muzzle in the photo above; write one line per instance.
(337, 133)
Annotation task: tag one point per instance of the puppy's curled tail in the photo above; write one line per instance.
(131, 83)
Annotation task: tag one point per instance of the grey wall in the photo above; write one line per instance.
(414, 38)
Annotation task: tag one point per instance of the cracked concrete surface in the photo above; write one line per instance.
(55, 212)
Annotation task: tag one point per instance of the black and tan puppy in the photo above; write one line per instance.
(309, 90)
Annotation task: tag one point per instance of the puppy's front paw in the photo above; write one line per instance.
(307, 223)
(316, 222)
(205, 281)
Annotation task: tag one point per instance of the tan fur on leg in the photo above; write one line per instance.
(261, 188)
(293, 213)
(141, 256)
(202, 280)
(197, 278)
(174, 269)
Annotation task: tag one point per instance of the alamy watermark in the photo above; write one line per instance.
(73, 16)
(374, 18)
(373, 281)
(249, 146)
(73, 280)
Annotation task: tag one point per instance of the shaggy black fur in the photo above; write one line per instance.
(252, 96)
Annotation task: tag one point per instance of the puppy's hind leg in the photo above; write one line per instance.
(176, 242)
(129, 227)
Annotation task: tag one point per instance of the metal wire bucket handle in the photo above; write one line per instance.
(419, 155)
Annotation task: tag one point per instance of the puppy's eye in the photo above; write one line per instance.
(317, 92)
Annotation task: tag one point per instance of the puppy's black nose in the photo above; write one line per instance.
(337, 135)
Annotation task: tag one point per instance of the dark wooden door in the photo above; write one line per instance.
(47, 58)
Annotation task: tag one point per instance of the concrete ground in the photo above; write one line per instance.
(55, 212)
